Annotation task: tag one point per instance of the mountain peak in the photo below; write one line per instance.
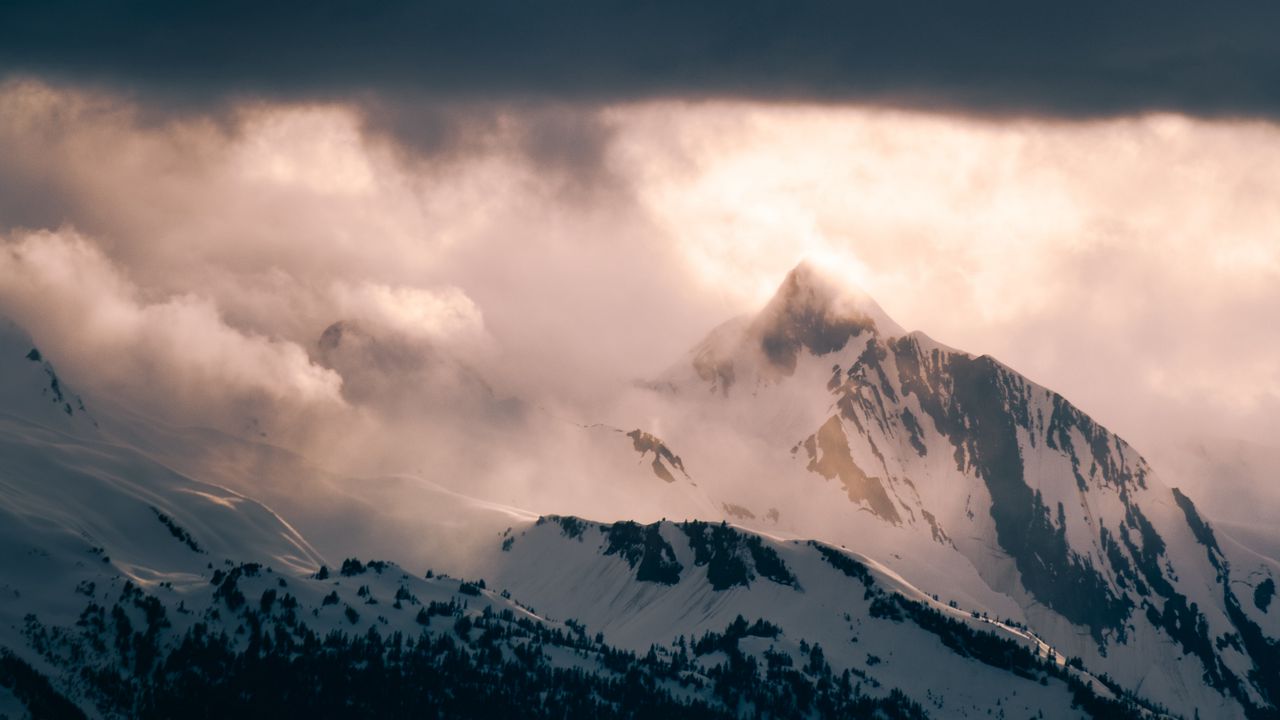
(808, 272)
(817, 309)
(810, 286)
(815, 287)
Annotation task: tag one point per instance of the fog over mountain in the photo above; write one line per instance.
(807, 362)
(1069, 249)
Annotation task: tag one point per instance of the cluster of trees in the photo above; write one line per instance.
(644, 545)
(263, 659)
(34, 690)
(1011, 656)
(726, 551)
(781, 688)
(989, 648)
(177, 531)
(733, 558)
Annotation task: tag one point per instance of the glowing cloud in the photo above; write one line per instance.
(165, 352)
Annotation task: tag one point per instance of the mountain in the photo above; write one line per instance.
(916, 532)
(402, 376)
(132, 589)
(32, 388)
(438, 416)
(691, 578)
(977, 484)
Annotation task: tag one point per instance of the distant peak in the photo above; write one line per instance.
(807, 271)
(819, 285)
(810, 285)
(817, 309)
(333, 335)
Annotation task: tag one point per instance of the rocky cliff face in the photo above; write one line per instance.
(989, 527)
(926, 445)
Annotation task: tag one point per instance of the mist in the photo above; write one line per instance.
(503, 286)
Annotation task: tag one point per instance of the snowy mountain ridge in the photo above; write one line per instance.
(990, 519)
(966, 477)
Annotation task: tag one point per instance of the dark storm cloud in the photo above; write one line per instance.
(1069, 59)
(568, 142)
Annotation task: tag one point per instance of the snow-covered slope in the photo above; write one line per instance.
(131, 589)
(973, 482)
(969, 493)
(31, 388)
(644, 584)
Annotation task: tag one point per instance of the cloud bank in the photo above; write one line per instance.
(1081, 59)
(192, 264)
(171, 353)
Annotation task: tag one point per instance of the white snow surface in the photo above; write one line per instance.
(85, 490)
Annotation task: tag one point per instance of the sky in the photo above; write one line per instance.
(565, 198)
